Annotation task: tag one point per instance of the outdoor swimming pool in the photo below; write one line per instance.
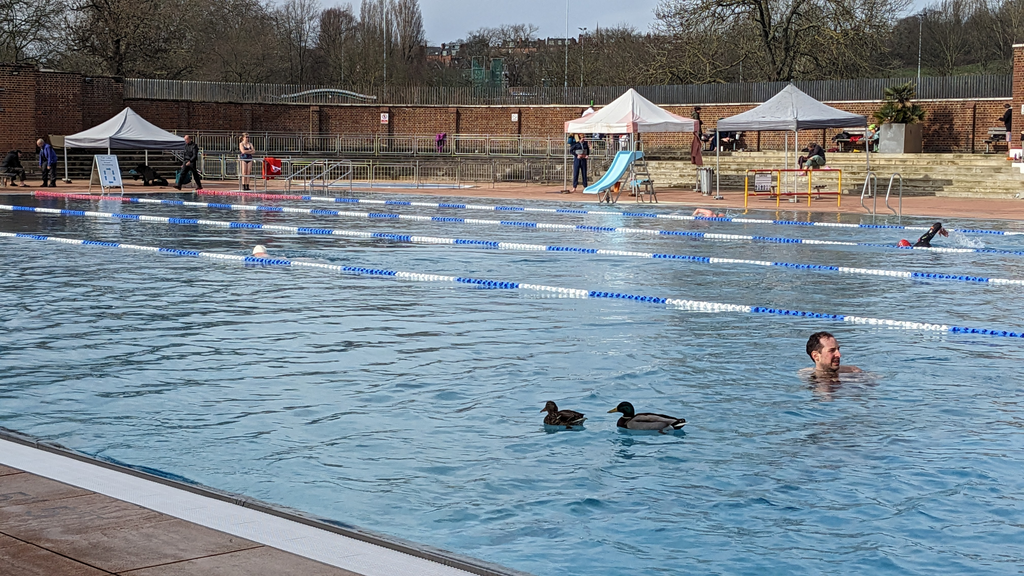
(413, 408)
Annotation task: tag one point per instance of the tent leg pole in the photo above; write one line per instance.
(718, 166)
(565, 163)
(796, 157)
(66, 164)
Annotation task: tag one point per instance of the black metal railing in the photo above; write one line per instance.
(931, 87)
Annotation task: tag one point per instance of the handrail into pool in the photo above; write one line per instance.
(899, 215)
(871, 189)
(675, 303)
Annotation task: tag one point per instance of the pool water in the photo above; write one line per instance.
(413, 409)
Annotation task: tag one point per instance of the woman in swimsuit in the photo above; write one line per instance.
(245, 150)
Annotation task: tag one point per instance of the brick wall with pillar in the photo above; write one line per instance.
(1018, 93)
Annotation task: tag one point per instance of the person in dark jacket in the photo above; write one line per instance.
(815, 156)
(190, 164)
(48, 162)
(580, 150)
(12, 165)
(1007, 120)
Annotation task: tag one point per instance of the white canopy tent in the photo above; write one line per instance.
(126, 131)
(629, 114)
(789, 110)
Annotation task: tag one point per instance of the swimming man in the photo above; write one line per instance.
(824, 352)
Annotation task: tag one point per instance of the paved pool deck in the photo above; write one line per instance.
(938, 207)
(65, 514)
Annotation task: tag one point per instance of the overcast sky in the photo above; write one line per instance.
(447, 20)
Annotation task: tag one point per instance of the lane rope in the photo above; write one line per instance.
(485, 243)
(671, 303)
(584, 212)
(537, 225)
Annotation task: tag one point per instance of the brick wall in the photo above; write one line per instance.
(37, 103)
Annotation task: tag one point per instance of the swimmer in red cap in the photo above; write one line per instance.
(925, 241)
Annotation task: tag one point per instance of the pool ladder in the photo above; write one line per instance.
(870, 190)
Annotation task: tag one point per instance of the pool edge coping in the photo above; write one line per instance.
(409, 548)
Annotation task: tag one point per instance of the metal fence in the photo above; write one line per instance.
(937, 87)
(391, 145)
(322, 175)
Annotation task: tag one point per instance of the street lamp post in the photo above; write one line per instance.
(920, 36)
(566, 47)
(583, 32)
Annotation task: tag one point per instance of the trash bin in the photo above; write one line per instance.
(705, 180)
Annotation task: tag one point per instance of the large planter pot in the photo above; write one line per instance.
(900, 138)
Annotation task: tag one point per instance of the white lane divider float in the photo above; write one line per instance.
(673, 303)
(523, 224)
(584, 212)
(514, 246)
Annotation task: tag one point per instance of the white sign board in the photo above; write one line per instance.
(762, 182)
(105, 167)
(110, 172)
(384, 118)
(515, 117)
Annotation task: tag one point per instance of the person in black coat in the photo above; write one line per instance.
(12, 165)
(580, 150)
(1007, 120)
(190, 165)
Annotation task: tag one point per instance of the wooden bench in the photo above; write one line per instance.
(996, 135)
(853, 144)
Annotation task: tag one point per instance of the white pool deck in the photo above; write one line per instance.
(21, 498)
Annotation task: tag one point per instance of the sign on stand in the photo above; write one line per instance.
(105, 167)
(762, 181)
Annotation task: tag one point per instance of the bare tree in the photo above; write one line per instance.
(152, 38)
(777, 39)
(26, 30)
(298, 23)
(338, 44)
(236, 43)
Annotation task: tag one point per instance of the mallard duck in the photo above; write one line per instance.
(556, 417)
(630, 420)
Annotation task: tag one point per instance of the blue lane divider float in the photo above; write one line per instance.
(673, 303)
(513, 246)
(440, 220)
(584, 212)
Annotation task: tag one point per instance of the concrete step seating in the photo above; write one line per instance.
(962, 175)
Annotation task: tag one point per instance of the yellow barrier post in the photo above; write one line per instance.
(778, 187)
(746, 186)
(839, 196)
(810, 177)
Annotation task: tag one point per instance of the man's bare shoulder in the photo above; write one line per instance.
(851, 369)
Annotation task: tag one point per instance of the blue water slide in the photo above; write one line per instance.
(620, 164)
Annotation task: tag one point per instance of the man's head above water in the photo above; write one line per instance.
(824, 352)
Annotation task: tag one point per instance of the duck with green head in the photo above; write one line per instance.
(630, 420)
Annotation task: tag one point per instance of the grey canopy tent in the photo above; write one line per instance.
(126, 131)
(789, 110)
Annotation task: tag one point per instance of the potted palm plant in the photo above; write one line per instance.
(901, 129)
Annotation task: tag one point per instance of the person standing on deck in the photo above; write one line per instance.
(190, 164)
(48, 162)
(580, 151)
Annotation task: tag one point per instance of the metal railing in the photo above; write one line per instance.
(899, 214)
(930, 87)
(325, 174)
(388, 145)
